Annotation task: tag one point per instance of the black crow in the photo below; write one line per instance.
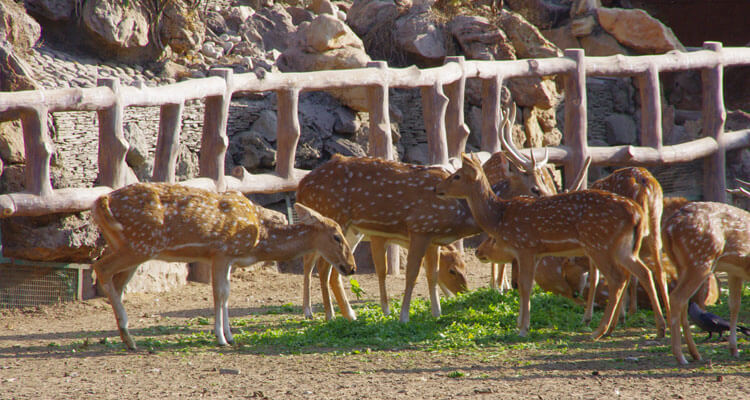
(711, 322)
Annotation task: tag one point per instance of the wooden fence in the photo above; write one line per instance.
(442, 90)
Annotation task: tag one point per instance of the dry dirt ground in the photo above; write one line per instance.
(54, 352)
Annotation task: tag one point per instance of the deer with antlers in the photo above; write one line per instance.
(604, 226)
(388, 201)
(699, 238)
(171, 222)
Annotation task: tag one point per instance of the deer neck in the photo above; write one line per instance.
(486, 208)
(284, 242)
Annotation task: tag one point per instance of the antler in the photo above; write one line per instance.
(514, 155)
(743, 190)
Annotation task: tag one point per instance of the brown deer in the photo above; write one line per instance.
(389, 202)
(606, 227)
(170, 222)
(699, 238)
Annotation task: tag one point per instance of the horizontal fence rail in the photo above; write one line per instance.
(443, 92)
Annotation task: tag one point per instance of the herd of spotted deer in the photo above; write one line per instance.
(511, 198)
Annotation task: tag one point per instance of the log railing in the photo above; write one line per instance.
(442, 91)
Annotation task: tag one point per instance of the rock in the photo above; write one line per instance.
(118, 24)
(533, 91)
(562, 37)
(11, 142)
(137, 154)
(621, 129)
(347, 123)
(18, 28)
(421, 37)
(54, 237)
(155, 276)
(637, 30)
(236, 16)
(265, 125)
(364, 16)
(250, 150)
(541, 13)
(181, 27)
(526, 38)
(55, 10)
(339, 145)
(215, 22)
(481, 40)
(172, 70)
(324, 7)
(299, 15)
(601, 44)
(583, 26)
(328, 33)
(417, 154)
(271, 26)
(187, 164)
(326, 43)
(15, 73)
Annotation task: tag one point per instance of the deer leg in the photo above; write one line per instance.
(337, 287)
(120, 266)
(377, 246)
(660, 275)
(309, 262)
(633, 263)
(616, 281)
(324, 274)
(735, 296)
(689, 281)
(220, 271)
(591, 297)
(431, 267)
(417, 248)
(632, 296)
(526, 267)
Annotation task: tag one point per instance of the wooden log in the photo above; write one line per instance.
(651, 121)
(112, 144)
(287, 131)
(214, 141)
(574, 135)
(65, 200)
(491, 109)
(245, 182)
(457, 132)
(168, 143)
(714, 116)
(434, 106)
(175, 93)
(38, 148)
(380, 139)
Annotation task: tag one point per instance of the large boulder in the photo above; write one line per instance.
(119, 29)
(17, 27)
(481, 40)
(420, 36)
(527, 39)
(270, 26)
(542, 13)
(637, 30)
(327, 43)
(181, 27)
(54, 10)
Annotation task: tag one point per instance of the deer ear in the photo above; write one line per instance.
(306, 215)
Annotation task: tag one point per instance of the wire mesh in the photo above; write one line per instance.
(27, 286)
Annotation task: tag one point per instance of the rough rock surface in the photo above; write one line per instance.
(638, 30)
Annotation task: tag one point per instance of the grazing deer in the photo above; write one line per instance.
(606, 227)
(699, 238)
(389, 202)
(170, 222)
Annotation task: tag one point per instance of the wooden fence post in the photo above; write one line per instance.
(491, 109)
(456, 130)
(574, 135)
(651, 129)
(434, 106)
(381, 144)
(714, 116)
(287, 130)
(38, 148)
(112, 144)
(214, 141)
(168, 143)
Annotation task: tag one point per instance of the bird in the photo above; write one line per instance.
(711, 322)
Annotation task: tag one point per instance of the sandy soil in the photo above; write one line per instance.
(55, 352)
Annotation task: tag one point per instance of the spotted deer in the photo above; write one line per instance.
(601, 225)
(145, 221)
(700, 238)
(388, 201)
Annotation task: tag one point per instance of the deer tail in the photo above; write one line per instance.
(103, 216)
